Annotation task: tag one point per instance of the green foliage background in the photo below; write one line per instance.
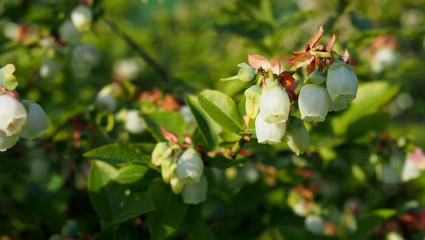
(43, 183)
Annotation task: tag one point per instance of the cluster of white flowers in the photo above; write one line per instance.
(270, 105)
(183, 172)
(18, 118)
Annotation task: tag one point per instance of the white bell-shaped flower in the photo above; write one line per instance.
(410, 171)
(105, 99)
(69, 33)
(269, 132)
(7, 142)
(82, 17)
(84, 58)
(314, 224)
(274, 103)
(134, 123)
(297, 136)
(341, 82)
(37, 121)
(12, 115)
(190, 166)
(194, 193)
(50, 68)
(160, 152)
(313, 103)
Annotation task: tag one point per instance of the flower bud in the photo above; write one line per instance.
(314, 224)
(341, 82)
(134, 123)
(7, 79)
(252, 95)
(12, 115)
(297, 136)
(105, 99)
(84, 58)
(274, 103)
(176, 185)
(246, 73)
(410, 171)
(81, 17)
(313, 102)
(194, 193)
(160, 152)
(37, 121)
(49, 68)
(268, 132)
(190, 166)
(168, 169)
(7, 142)
(69, 33)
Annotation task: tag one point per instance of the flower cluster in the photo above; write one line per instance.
(183, 169)
(18, 118)
(331, 84)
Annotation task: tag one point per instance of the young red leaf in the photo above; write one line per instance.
(170, 136)
(311, 67)
(301, 59)
(275, 65)
(287, 78)
(257, 61)
(315, 39)
(331, 44)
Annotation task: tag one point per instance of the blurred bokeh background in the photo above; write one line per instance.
(348, 185)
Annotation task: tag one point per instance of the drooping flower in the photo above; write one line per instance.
(274, 103)
(81, 17)
(190, 166)
(313, 103)
(7, 142)
(37, 121)
(195, 192)
(12, 115)
(69, 33)
(341, 84)
(134, 123)
(297, 136)
(269, 132)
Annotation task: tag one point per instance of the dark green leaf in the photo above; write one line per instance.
(119, 154)
(171, 121)
(170, 212)
(112, 201)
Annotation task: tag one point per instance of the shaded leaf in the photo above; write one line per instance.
(170, 212)
(112, 201)
(199, 230)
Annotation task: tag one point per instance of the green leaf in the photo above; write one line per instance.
(170, 212)
(7, 79)
(114, 202)
(207, 126)
(370, 223)
(117, 153)
(199, 230)
(131, 173)
(222, 109)
(172, 121)
(370, 97)
(228, 136)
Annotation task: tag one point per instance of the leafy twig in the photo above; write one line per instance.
(158, 68)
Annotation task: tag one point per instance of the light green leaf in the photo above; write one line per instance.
(207, 126)
(172, 121)
(120, 154)
(170, 212)
(222, 109)
(370, 97)
(112, 201)
(7, 79)
(228, 136)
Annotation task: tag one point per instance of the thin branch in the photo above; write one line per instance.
(158, 68)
